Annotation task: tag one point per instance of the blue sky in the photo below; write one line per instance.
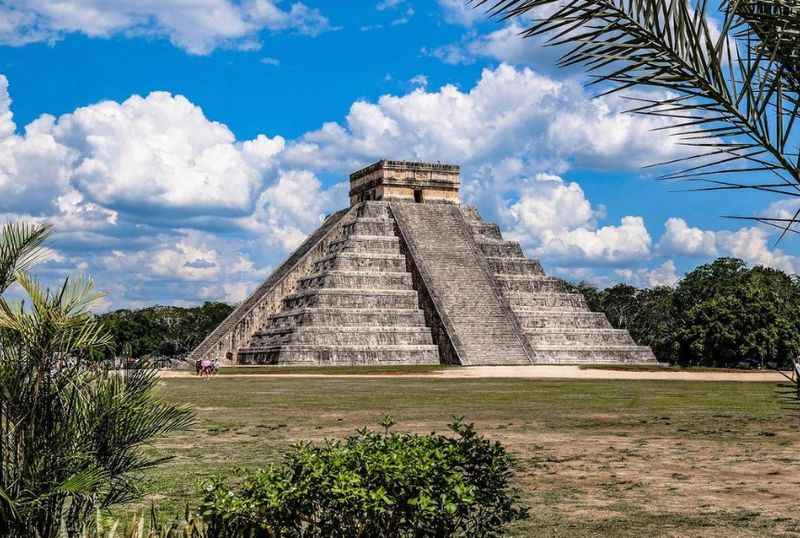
(183, 148)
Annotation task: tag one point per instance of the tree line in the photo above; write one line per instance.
(722, 314)
(162, 331)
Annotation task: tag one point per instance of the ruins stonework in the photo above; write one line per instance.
(406, 275)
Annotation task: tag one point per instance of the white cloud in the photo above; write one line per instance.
(292, 207)
(452, 54)
(185, 261)
(270, 61)
(198, 26)
(665, 274)
(33, 167)
(388, 4)
(508, 113)
(7, 126)
(461, 12)
(751, 244)
(504, 45)
(555, 221)
(405, 18)
(786, 208)
(419, 80)
(157, 152)
(682, 240)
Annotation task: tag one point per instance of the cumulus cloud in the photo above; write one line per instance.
(197, 26)
(509, 112)
(555, 221)
(681, 239)
(150, 153)
(292, 207)
(161, 152)
(750, 244)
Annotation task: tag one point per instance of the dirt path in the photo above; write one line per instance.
(533, 372)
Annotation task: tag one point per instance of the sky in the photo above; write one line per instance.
(183, 148)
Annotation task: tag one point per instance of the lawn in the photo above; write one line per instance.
(597, 458)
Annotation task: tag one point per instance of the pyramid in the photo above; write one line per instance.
(406, 275)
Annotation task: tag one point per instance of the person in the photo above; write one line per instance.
(206, 368)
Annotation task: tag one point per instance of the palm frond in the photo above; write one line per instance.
(21, 249)
(728, 85)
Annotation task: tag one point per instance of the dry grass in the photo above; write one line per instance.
(597, 457)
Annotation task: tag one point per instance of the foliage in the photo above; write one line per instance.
(71, 434)
(730, 91)
(373, 484)
(719, 315)
(167, 331)
(186, 525)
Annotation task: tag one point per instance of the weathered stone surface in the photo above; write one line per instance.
(460, 282)
(358, 306)
(558, 325)
(406, 276)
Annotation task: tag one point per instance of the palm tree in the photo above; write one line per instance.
(71, 432)
(730, 84)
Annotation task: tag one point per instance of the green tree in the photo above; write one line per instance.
(718, 315)
(167, 331)
(655, 323)
(71, 433)
(729, 313)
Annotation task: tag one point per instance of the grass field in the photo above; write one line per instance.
(597, 458)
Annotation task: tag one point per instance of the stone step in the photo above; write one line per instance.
(343, 336)
(374, 209)
(514, 266)
(305, 355)
(369, 226)
(485, 230)
(529, 283)
(552, 319)
(500, 249)
(593, 355)
(365, 243)
(407, 317)
(532, 302)
(361, 261)
(570, 337)
(352, 298)
(356, 280)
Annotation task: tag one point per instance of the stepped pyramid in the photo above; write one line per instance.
(408, 276)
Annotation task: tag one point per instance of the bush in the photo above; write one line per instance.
(373, 484)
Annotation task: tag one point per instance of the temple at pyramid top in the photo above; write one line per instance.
(406, 181)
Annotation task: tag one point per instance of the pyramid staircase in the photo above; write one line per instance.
(479, 322)
(357, 307)
(558, 324)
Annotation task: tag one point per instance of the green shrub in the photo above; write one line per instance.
(373, 484)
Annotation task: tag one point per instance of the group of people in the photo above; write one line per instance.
(206, 368)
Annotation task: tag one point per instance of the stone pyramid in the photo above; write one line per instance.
(408, 276)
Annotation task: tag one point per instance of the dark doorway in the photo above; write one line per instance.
(418, 196)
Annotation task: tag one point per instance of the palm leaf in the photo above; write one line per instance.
(21, 249)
